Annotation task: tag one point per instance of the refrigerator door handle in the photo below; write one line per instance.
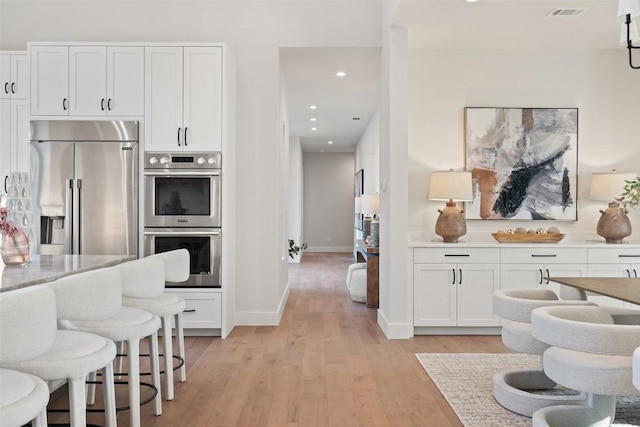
(77, 185)
(68, 217)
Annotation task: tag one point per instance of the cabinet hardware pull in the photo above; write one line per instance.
(540, 270)
(193, 310)
(6, 177)
(628, 273)
(628, 256)
(109, 104)
(544, 256)
(635, 273)
(454, 276)
(179, 137)
(64, 104)
(547, 270)
(102, 104)
(460, 281)
(456, 255)
(6, 87)
(185, 136)
(13, 87)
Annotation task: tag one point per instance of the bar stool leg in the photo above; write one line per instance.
(77, 402)
(167, 340)
(91, 388)
(180, 338)
(133, 358)
(155, 372)
(109, 392)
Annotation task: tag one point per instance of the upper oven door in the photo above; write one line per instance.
(182, 199)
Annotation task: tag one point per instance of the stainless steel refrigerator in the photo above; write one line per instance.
(85, 186)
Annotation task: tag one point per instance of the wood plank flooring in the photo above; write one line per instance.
(327, 364)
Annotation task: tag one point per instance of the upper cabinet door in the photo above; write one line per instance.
(5, 76)
(203, 98)
(163, 99)
(125, 81)
(49, 80)
(19, 86)
(87, 80)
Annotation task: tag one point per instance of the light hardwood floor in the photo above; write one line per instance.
(327, 364)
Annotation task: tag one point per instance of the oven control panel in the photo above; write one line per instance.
(182, 160)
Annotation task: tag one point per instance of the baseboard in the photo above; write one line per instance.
(255, 318)
(394, 331)
(457, 330)
(329, 249)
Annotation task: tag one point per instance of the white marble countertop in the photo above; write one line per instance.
(47, 268)
(485, 239)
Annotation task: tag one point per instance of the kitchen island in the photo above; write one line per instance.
(47, 268)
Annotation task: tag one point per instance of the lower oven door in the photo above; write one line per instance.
(204, 246)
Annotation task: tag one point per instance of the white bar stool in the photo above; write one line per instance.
(23, 399)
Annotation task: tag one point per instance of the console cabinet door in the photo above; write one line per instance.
(475, 286)
(49, 80)
(562, 270)
(5, 141)
(87, 80)
(521, 276)
(434, 295)
(610, 270)
(163, 94)
(202, 114)
(19, 135)
(125, 81)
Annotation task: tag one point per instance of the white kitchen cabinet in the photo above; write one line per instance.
(87, 80)
(458, 292)
(14, 75)
(203, 309)
(14, 138)
(183, 109)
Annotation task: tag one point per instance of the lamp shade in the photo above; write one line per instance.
(628, 7)
(358, 205)
(634, 35)
(607, 186)
(451, 185)
(370, 204)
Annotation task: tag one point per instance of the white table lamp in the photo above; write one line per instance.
(613, 225)
(370, 209)
(451, 186)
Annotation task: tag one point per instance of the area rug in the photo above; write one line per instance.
(465, 380)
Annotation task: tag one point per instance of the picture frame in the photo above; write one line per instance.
(358, 190)
(523, 161)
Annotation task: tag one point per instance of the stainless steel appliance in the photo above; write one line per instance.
(182, 189)
(182, 209)
(204, 245)
(85, 179)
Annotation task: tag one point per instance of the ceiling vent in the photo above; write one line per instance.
(567, 12)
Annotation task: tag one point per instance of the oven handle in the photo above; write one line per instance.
(182, 233)
(181, 173)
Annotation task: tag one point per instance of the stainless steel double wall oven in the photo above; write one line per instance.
(182, 209)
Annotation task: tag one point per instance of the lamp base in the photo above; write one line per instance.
(451, 224)
(614, 225)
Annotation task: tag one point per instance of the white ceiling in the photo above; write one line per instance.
(432, 24)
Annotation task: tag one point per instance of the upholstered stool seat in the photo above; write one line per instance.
(590, 353)
(31, 343)
(636, 368)
(146, 291)
(351, 269)
(358, 285)
(515, 389)
(23, 398)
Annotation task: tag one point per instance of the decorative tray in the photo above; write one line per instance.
(527, 238)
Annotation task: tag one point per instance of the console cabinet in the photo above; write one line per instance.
(614, 262)
(183, 110)
(454, 287)
(81, 80)
(203, 310)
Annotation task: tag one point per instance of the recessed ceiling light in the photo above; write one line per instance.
(313, 119)
(471, 1)
(314, 129)
(313, 107)
(330, 142)
(341, 74)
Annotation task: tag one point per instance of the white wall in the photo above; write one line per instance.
(328, 201)
(368, 155)
(599, 83)
(295, 194)
(254, 30)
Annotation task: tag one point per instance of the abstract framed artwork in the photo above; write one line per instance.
(358, 190)
(523, 162)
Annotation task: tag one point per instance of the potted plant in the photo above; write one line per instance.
(295, 249)
(630, 197)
